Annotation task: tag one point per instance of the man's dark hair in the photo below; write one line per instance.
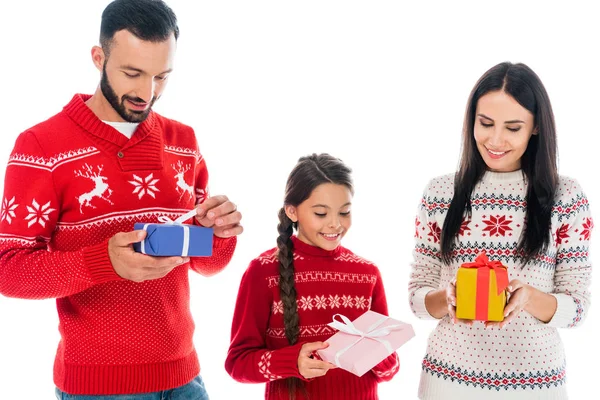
(150, 20)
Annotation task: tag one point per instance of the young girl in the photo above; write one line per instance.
(508, 200)
(290, 293)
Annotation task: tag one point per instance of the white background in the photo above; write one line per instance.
(265, 82)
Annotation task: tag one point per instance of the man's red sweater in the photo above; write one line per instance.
(72, 182)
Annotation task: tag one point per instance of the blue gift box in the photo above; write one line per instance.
(174, 240)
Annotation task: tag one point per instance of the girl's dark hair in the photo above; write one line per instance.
(150, 20)
(538, 164)
(310, 172)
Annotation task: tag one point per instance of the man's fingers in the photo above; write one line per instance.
(228, 219)
(153, 263)
(207, 206)
(124, 239)
(229, 231)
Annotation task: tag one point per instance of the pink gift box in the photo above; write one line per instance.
(365, 342)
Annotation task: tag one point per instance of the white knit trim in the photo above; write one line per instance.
(264, 366)
(28, 241)
(305, 331)
(433, 388)
(352, 258)
(566, 311)
(325, 276)
(390, 371)
(53, 162)
(140, 215)
(323, 302)
(184, 151)
(272, 258)
(417, 303)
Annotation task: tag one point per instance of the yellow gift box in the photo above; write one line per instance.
(481, 290)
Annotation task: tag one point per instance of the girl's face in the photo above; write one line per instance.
(502, 131)
(324, 218)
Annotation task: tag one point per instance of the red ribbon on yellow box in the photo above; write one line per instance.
(483, 290)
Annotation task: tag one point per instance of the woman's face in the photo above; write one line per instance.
(502, 131)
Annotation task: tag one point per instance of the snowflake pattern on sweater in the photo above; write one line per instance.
(72, 182)
(527, 354)
(327, 283)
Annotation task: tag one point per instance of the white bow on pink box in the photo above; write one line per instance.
(365, 342)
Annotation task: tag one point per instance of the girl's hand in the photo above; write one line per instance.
(310, 367)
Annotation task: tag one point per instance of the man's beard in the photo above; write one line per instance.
(119, 105)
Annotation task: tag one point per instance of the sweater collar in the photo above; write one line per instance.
(500, 177)
(314, 251)
(81, 114)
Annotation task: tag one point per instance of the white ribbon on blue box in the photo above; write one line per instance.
(174, 238)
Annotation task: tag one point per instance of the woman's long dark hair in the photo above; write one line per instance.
(309, 172)
(538, 163)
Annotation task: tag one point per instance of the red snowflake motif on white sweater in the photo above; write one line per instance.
(561, 234)
(586, 232)
(497, 226)
(464, 226)
(417, 223)
(434, 231)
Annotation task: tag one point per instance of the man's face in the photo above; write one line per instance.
(135, 74)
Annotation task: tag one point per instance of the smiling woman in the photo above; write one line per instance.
(520, 134)
(506, 200)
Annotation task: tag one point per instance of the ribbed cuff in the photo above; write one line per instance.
(417, 303)
(284, 362)
(97, 260)
(220, 243)
(385, 370)
(566, 311)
